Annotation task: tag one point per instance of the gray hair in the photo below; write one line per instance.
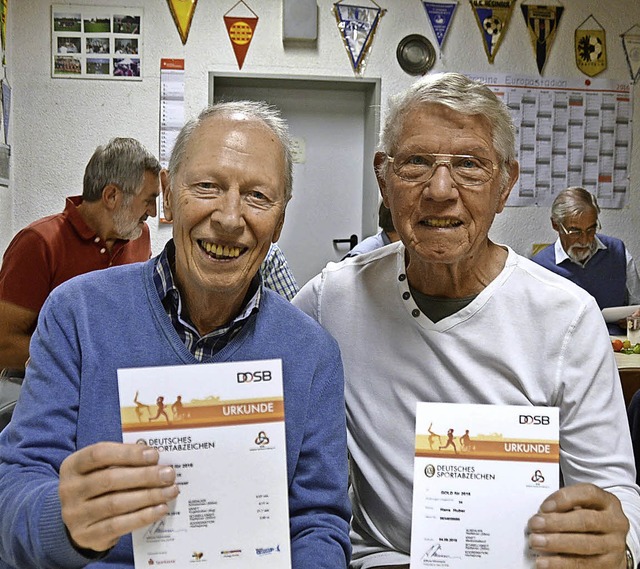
(572, 202)
(258, 111)
(460, 94)
(123, 162)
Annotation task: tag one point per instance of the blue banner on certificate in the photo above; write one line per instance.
(221, 427)
(472, 461)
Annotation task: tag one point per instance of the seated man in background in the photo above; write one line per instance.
(70, 491)
(102, 228)
(598, 263)
(447, 315)
(386, 235)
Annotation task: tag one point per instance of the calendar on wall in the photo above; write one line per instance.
(569, 132)
(171, 111)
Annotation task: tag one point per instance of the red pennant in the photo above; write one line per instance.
(240, 32)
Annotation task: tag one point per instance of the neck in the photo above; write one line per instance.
(212, 310)
(96, 218)
(464, 278)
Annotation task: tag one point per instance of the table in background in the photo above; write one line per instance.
(629, 369)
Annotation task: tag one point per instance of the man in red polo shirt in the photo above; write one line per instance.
(102, 228)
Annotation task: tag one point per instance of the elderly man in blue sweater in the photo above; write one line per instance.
(70, 491)
(600, 264)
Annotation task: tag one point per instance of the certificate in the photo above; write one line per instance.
(221, 427)
(480, 473)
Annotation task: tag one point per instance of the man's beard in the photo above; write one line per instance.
(124, 226)
(580, 254)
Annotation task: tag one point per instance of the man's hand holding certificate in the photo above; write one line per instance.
(480, 473)
(221, 427)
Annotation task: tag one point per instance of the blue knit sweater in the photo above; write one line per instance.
(93, 325)
(604, 277)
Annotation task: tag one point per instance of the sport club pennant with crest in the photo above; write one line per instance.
(542, 22)
(591, 47)
(182, 12)
(241, 22)
(493, 18)
(631, 46)
(358, 26)
(440, 15)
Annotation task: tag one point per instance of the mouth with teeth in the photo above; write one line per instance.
(442, 222)
(221, 252)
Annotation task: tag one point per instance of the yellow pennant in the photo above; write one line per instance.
(182, 12)
(591, 47)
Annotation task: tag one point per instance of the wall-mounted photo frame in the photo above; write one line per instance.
(96, 42)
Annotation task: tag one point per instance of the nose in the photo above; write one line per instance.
(228, 212)
(152, 210)
(441, 187)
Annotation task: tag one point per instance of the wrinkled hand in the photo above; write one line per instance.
(109, 489)
(579, 526)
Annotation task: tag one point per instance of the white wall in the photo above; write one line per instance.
(57, 123)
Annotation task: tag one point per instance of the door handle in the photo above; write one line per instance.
(353, 241)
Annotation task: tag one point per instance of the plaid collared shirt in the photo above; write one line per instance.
(276, 274)
(202, 347)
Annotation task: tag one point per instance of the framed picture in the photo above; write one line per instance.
(96, 42)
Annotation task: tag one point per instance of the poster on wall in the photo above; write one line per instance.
(96, 42)
(569, 132)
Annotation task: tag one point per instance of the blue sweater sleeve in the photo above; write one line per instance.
(32, 447)
(318, 503)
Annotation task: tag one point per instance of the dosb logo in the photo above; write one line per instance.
(255, 377)
(533, 420)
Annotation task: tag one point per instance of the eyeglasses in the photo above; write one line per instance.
(465, 169)
(590, 232)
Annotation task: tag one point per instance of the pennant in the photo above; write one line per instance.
(182, 12)
(591, 47)
(240, 28)
(358, 25)
(631, 45)
(542, 22)
(440, 15)
(493, 18)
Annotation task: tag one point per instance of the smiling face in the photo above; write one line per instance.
(227, 203)
(440, 221)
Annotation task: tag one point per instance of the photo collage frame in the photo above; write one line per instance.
(96, 42)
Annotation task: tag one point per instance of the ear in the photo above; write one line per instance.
(167, 196)
(378, 161)
(111, 197)
(514, 172)
(278, 230)
(555, 225)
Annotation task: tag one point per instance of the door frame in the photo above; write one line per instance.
(371, 87)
